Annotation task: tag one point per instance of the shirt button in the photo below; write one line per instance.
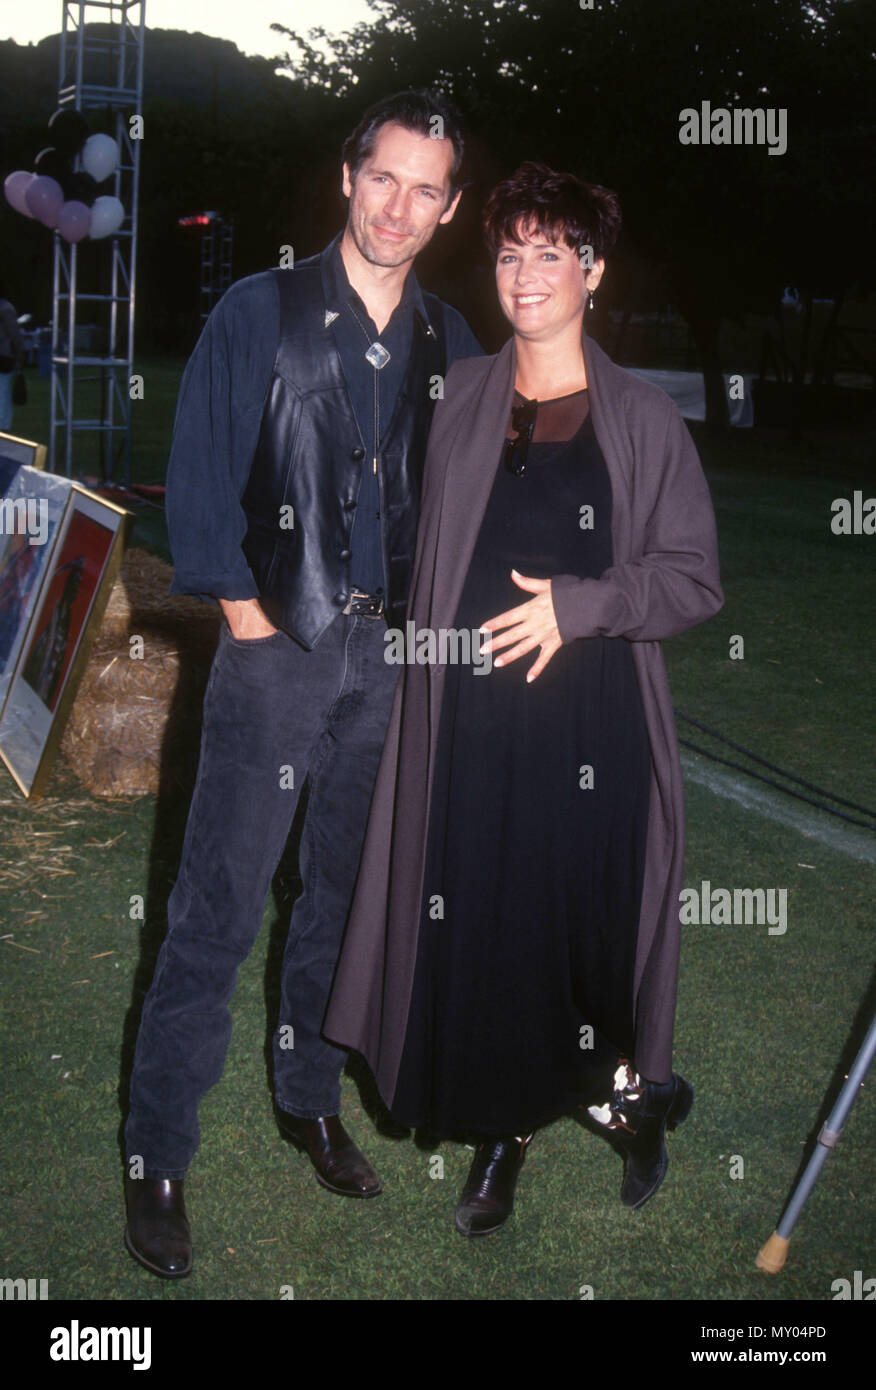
(344, 554)
(350, 504)
(358, 454)
(342, 597)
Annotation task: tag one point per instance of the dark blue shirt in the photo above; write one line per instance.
(219, 411)
(373, 395)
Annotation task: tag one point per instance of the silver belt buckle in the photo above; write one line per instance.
(357, 598)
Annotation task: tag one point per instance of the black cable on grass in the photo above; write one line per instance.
(727, 762)
(810, 786)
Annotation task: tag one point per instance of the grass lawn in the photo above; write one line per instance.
(767, 1024)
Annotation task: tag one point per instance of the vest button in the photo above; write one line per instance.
(344, 554)
(342, 597)
(358, 454)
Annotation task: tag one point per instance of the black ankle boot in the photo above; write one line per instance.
(638, 1115)
(157, 1233)
(487, 1199)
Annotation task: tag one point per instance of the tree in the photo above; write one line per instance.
(600, 91)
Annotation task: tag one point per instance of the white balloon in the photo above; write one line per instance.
(107, 215)
(100, 156)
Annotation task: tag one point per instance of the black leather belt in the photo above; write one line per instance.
(365, 605)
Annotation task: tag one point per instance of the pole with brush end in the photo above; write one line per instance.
(773, 1254)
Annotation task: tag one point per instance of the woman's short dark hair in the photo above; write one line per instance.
(414, 110)
(538, 199)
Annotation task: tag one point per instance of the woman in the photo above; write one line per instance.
(513, 944)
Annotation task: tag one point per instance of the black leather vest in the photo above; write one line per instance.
(309, 458)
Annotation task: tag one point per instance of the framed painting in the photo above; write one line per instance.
(32, 507)
(15, 451)
(72, 599)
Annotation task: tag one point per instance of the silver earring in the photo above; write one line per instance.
(592, 298)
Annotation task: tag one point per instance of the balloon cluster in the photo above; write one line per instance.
(58, 196)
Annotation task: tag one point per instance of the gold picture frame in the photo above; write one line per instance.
(72, 600)
(22, 451)
(33, 505)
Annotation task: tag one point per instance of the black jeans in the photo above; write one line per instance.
(274, 714)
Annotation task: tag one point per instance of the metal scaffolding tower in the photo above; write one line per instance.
(101, 67)
(216, 248)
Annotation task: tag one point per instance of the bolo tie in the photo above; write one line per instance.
(377, 356)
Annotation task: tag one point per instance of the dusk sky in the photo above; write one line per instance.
(246, 22)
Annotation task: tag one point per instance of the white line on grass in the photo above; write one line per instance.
(815, 825)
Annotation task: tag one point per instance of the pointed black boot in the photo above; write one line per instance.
(638, 1116)
(487, 1199)
(157, 1232)
(338, 1163)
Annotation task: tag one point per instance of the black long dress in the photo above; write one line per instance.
(523, 987)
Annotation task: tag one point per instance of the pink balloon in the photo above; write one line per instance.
(45, 198)
(74, 221)
(15, 186)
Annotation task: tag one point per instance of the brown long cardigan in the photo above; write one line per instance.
(664, 580)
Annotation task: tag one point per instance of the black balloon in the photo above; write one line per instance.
(51, 164)
(69, 130)
(80, 187)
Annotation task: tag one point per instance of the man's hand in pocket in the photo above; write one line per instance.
(246, 619)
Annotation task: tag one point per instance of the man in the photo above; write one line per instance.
(292, 497)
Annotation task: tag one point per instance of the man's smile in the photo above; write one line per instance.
(390, 232)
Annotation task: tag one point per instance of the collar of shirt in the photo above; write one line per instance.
(338, 290)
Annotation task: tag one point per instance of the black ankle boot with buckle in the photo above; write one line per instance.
(638, 1116)
(487, 1199)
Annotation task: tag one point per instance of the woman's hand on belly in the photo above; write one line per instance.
(532, 624)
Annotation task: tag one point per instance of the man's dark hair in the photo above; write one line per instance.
(538, 199)
(416, 111)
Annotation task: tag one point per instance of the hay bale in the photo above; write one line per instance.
(134, 719)
(140, 595)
